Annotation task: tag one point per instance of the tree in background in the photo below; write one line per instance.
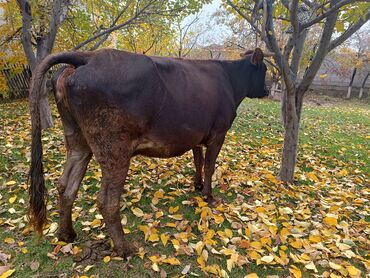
(188, 36)
(340, 17)
(360, 44)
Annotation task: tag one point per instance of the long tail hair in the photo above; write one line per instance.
(37, 189)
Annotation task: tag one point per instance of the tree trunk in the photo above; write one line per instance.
(291, 126)
(363, 85)
(351, 83)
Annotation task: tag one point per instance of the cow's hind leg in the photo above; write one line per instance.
(109, 203)
(78, 157)
(212, 152)
(199, 162)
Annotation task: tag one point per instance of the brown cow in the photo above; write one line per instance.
(116, 105)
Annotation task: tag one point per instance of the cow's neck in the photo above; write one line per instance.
(238, 79)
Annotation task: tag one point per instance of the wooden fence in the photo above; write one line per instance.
(18, 78)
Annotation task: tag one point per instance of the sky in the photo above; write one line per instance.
(213, 32)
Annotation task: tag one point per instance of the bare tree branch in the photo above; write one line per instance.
(231, 4)
(322, 50)
(309, 3)
(189, 49)
(10, 37)
(131, 20)
(333, 9)
(114, 22)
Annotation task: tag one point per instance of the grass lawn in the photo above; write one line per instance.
(318, 226)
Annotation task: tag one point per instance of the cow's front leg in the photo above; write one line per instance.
(78, 157)
(213, 149)
(199, 162)
(109, 204)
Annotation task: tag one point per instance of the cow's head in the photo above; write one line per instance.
(255, 71)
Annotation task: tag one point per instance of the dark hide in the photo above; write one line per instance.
(116, 105)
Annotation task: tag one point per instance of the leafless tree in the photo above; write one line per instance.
(188, 35)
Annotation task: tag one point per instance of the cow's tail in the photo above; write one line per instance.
(37, 189)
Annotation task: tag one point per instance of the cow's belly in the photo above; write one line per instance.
(152, 149)
(160, 152)
(167, 146)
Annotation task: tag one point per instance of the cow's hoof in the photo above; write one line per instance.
(67, 237)
(198, 186)
(126, 251)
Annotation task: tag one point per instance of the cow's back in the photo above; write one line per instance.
(163, 106)
(115, 84)
(199, 96)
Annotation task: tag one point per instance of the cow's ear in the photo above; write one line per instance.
(257, 57)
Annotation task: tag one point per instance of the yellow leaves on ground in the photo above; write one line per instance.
(173, 210)
(342, 173)
(295, 271)
(317, 226)
(163, 259)
(153, 238)
(95, 223)
(12, 199)
(267, 259)
(330, 220)
(335, 266)
(353, 271)
(138, 212)
(9, 240)
(7, 273)
(164, 239)
(312, 177)
(10, 183)
(171, 261)
(251, 275)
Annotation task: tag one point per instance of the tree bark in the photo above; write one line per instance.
(363, 86)
(351, 83)
(291, 126)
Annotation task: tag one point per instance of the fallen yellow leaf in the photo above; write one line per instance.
(138, 212)
(171, 261)
(153, 238)
(164, 239)
(335, 266)
(296, 272)
(330, 220)
(11, 183)
(353, 271)
(155, 267)
(251, 275)
(12, 199)
(343, 173)
(7, 273)
(267, 259)
(173, 209)
(9, 240)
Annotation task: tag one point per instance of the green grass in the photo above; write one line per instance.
(333, 138)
